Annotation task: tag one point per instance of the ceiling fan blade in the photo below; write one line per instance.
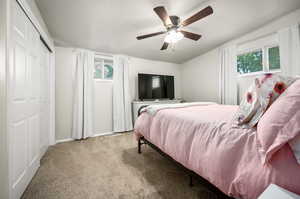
(163, 15)
(191, 35)
(150, 35)
(165, 46)
(203, 13)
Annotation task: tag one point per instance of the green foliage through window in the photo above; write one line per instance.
(250, 62)
(274, 58)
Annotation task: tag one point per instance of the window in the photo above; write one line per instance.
(274, 58)
(250, 62)
(261, 55)
(103, 68)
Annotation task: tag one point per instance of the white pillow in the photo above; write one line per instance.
(295, 145)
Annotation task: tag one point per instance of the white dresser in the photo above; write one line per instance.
(136, 105)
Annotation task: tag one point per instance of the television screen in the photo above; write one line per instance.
(155, 86)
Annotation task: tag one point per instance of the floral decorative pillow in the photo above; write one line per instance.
(261, 94)
(281, 125)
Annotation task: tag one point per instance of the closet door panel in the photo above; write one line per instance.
(33, 74)
(23, 102)
(19, 150)
(19, 22)
(19, 73)
(34, 79)
(33, 142)
(33, 83)
(18, 66)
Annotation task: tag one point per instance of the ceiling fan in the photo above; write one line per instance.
(173, 25)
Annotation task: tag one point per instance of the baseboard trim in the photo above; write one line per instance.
(95, 135)
(64, 140)
(103, 134)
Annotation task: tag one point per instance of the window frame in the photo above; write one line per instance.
(262, 44)
(103, 58)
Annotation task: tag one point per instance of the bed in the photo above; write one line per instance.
(204, 140)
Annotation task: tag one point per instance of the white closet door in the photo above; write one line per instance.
(45, 98)
(23, 102)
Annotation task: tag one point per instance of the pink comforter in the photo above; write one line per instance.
(203, 140)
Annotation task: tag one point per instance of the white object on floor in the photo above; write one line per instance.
(275, 192)
(153, 109)
(122, 118)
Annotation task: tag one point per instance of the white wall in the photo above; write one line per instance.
(64, 62)
(103, 90)
(200, 75)
(103, 107)
(200, 78)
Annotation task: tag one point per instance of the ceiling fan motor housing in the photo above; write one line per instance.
(175, 20)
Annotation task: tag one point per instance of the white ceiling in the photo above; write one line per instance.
(111, 26)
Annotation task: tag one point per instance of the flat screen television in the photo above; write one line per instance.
(153, 87)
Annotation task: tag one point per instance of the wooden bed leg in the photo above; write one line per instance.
(191, 181)
(139, 145)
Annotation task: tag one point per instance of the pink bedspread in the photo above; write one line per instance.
(203, 140)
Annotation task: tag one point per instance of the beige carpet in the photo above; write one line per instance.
(110, 167)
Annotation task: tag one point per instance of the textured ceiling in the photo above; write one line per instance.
(111, 26)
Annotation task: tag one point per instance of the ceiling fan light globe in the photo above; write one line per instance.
(179, 36)
(173, 37)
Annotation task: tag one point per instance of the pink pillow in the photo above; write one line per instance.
(262, 93)
(280, 123)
